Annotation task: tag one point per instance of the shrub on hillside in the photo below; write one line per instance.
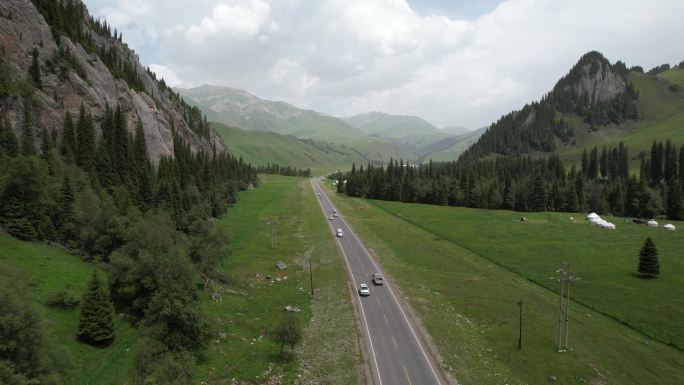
(63, 299)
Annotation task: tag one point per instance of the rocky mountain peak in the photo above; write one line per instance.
(594, 76)
(81, 62)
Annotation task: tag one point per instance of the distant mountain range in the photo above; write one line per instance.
(416, 136)
(376, 136)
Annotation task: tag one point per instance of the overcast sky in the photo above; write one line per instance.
(452, 62)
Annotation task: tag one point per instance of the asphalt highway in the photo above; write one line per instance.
(396, 352)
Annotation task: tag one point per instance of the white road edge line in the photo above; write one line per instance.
(415, 336)
(351, 274)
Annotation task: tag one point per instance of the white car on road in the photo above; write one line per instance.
(330, 218)
(339, 233)
(364, 291)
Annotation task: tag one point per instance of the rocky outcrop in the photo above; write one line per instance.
(23, 29)
(601, 85)
(594, 77)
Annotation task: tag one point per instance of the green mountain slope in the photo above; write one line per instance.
(396, 127)
(675, 76)
(238, 108)
(235, 107)
(661, 117)
(451, 148)
(594, 105)
(260, 148)
(415, 135)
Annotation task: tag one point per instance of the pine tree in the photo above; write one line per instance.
(593, 164)
(648, 260)
(68, 138)
(603, 162)
(681, 161)
(14, 220)
(85, 155)
(65, 203)
(8, 141)
(34, 69)
(46, 142)
(675, 205)
(27, 140)
(95, 325)
(538, 195)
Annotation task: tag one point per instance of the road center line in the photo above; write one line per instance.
(407, 375)
(395, 343)
(385, 317)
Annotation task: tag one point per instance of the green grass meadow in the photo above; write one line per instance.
(330, 353)
(463, 271)
(36, 270)
(251, 306)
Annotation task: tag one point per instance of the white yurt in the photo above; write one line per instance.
(669, 226)
(595, 221)
(652, 223)
(592, 216)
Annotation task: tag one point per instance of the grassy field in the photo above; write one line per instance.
(260, 148)
(464, 270)
(330, 352)
(675, 76)
(35, 271)
(240, 348)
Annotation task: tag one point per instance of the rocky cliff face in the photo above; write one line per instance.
(595, 77)
(602, 85)
(72, 76)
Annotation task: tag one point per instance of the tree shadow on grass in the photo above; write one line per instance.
(646, 277)
(284, 358)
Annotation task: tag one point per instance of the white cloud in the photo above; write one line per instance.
(127, 11)
(351, 56)
(169, 76)
(226, 21)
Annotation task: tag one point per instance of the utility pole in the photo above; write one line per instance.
(274, 235)
(311, 276)
(520, 334)
(560, 311)
(567, 308)
(564, 278)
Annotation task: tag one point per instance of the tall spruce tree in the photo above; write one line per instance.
(96, 326)
(681, 164)
(603, 162)
(85, 155)
(648, 260)
(68, 138)
(593, 164)
(27, 137)
(8, 141)
(675, 205)
(34, 69)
